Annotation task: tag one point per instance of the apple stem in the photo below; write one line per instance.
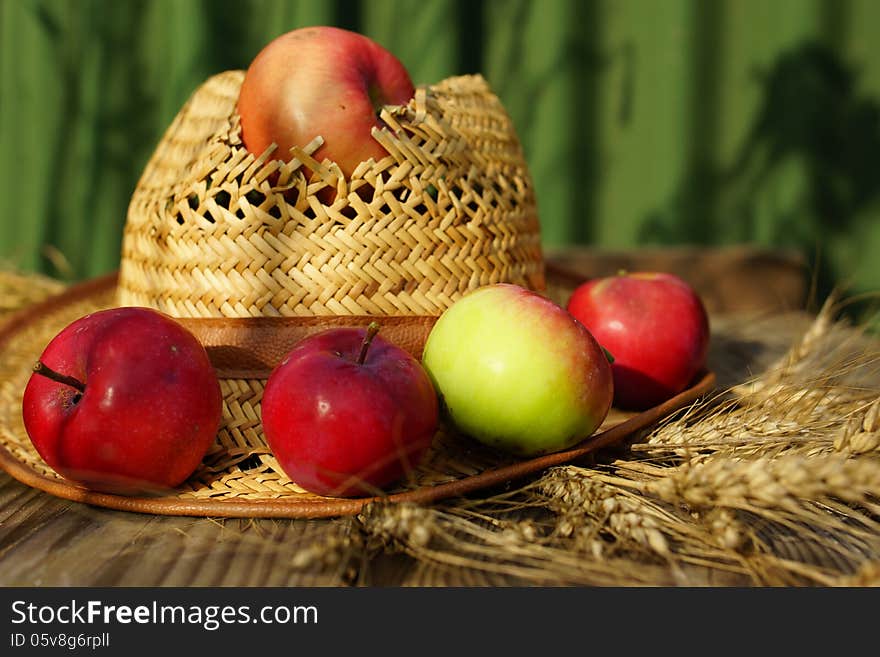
(372, 330)
(44, 370)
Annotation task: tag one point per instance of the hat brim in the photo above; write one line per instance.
(239, 476)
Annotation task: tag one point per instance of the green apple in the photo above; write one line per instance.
(518, 372)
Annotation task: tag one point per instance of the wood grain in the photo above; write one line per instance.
(47, 541)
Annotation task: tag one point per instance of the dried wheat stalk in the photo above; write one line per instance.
(773, 482)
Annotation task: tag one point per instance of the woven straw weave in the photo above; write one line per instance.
(213, 231)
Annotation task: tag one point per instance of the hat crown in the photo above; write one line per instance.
(213, 231)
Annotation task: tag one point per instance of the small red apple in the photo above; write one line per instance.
(347, 413)
(321, 81)
(123, 400)
(654, 325)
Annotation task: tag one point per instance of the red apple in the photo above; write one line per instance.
(654, 325)
(347, 413)
(123, 400)
(321, 81)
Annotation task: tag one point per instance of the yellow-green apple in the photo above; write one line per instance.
(321, 81)
(516, 371)
(123, 400)
(656, 327)
(347, 413)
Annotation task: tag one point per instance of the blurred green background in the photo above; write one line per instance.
(644, 122)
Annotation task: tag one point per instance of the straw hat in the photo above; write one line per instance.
(252, 254)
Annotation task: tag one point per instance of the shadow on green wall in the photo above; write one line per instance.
(806, 172)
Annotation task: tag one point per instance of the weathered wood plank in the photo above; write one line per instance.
(46, 541)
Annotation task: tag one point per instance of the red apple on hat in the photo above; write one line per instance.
(123, 400)
(348, 413)
(321, 81)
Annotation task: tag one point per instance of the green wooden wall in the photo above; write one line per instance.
(645, 122)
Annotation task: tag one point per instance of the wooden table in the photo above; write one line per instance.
(47, 541)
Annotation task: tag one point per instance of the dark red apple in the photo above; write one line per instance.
(654, 325)
(321, 81)
(123, 400)
(347, 413)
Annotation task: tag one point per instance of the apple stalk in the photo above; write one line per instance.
(44, 370)
(372, 330)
